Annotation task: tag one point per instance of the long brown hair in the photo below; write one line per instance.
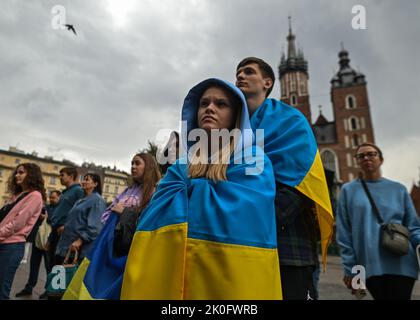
(33, 180)
(151, 177)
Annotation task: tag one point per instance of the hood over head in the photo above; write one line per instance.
(190, 109)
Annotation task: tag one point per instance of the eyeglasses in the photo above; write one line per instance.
(369, 155)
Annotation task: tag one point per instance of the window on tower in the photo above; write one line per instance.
(354, 123)
(329, 160)
(350, 102)
(355, 141)
(293, 100)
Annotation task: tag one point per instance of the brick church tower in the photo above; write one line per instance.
(352, 124)
(293, 75)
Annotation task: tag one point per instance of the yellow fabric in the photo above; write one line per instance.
(76, 290)
(219, 271)
(166, 265)
(315, 187)
(155, 264)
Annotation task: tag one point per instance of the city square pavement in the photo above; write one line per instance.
(331, 286)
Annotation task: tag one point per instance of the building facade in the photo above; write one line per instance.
(50, 168)
(113, 181)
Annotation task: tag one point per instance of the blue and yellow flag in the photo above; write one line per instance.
(200, 239)
(204, 240)
(100, 274)
(291, 146)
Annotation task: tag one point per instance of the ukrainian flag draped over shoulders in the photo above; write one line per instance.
(100, 274)
(203, 240)
(291, 146)
(200, 239)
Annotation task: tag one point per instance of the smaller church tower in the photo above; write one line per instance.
(293, 75)
(351, 110)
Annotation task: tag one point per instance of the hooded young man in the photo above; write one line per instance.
(303, 207)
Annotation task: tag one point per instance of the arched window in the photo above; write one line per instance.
(329, 160)
(293, 100)
(354, 123)
(350, 102)
(355, 140)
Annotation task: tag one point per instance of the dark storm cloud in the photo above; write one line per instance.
(101, 95)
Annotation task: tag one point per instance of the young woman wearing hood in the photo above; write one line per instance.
(209, 231)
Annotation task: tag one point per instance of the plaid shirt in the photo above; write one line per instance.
(297, 228)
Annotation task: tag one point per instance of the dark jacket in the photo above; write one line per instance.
(124, 232)
(84, 222)
(67, 199)
(297, 228)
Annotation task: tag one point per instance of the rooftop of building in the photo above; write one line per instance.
(15, 152)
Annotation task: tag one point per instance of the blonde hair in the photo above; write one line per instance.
(198, 164)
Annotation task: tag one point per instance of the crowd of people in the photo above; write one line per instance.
(206, 225)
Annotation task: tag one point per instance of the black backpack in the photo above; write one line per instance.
(8, 207)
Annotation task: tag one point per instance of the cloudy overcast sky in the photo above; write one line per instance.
(100, 95)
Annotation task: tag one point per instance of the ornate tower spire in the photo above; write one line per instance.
(293, 75)
(291, 49)
(346, 76)
(293, 61)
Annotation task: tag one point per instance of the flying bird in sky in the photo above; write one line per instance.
(70, 27)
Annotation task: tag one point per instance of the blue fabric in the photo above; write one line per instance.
(288, 140)
(67, 200)
(358, 230)
(224, 211)
(104, 276)
(10, 256)
(84, 221)
(190, 109)
(50, 210)
(209, 203)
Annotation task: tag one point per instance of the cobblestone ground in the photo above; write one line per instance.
(330, 284)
